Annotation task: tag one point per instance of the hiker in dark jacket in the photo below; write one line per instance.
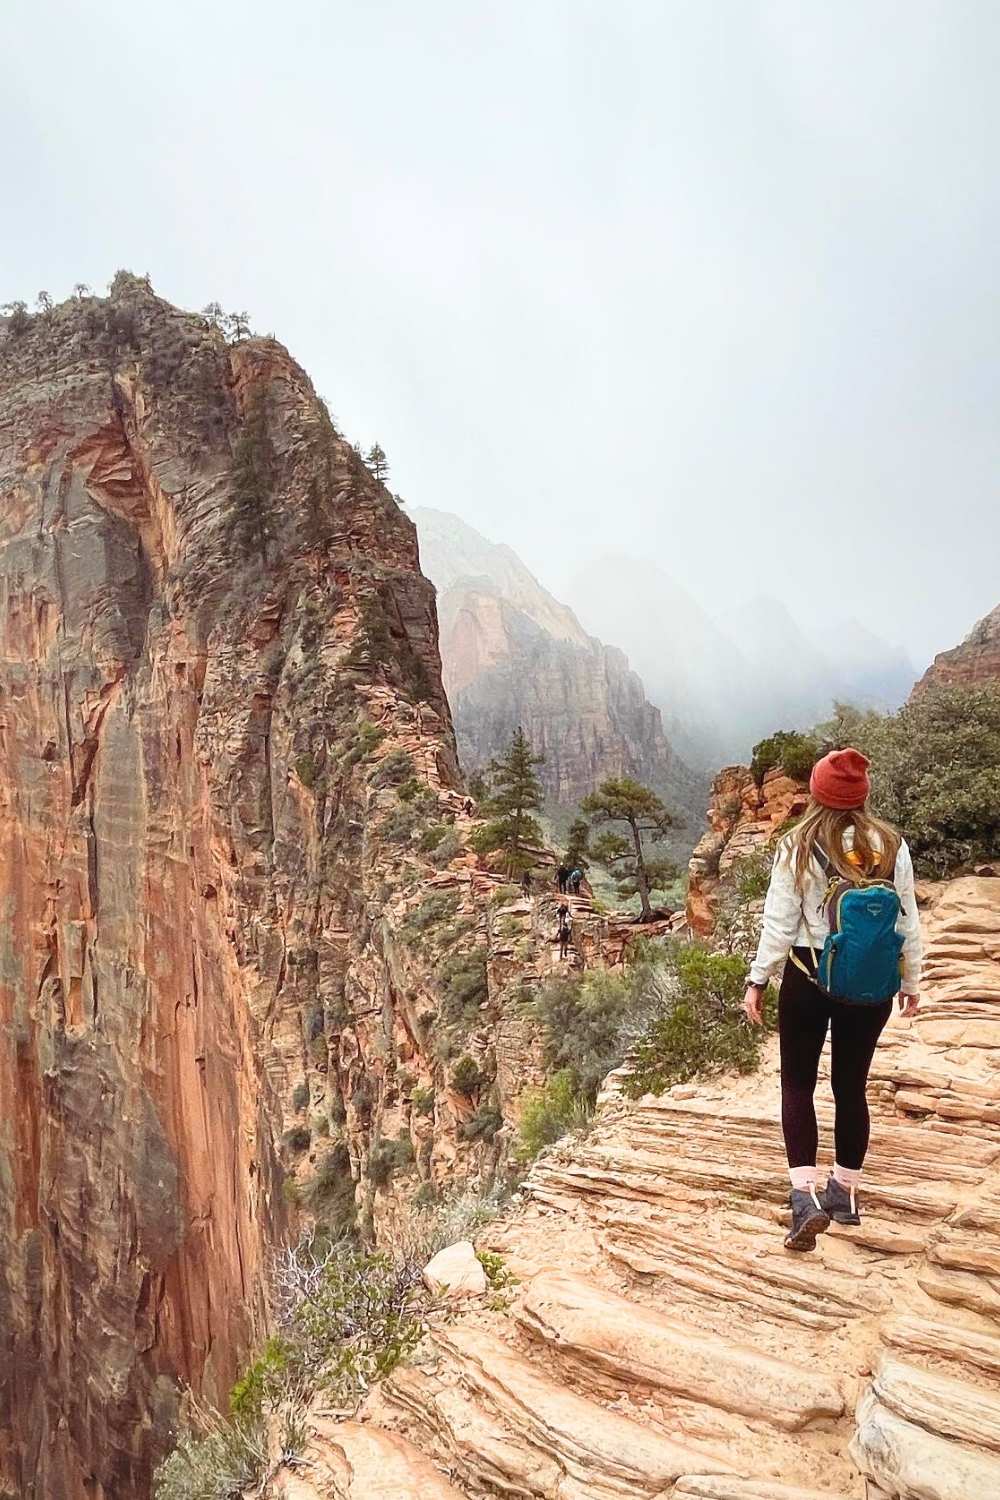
(562, 876)
(565, 933)
(843, 873)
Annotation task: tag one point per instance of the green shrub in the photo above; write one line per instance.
(585, 1017)
(330, 1193)
(446, 849)
(935, 772)
(298, 1138)
(306, 769)
(357, 1323)
(483, 1125)
(300, 1095)
(370, 736)
(422, 1100)
(465, 1075)
(497, 1273)
(549, 1112)
(389, 1156)
(794, 753)
(215, 1460)
(394, 768)
(262, 1380)
(464, 986)
(438, 907)
(700, 1029)
(431, 837)
(400, 823)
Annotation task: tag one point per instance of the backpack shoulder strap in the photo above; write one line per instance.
(823, 860)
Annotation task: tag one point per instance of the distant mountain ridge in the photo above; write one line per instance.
(726, 680)
(513, 654)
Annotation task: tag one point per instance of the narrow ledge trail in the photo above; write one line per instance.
(661, 1345)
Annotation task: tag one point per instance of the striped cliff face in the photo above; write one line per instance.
(214, 631)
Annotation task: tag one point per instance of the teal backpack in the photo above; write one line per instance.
(860, 960)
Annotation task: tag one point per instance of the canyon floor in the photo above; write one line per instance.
(659, 1342)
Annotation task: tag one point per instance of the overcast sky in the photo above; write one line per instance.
(713, 282)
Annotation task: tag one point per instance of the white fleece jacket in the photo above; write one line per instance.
(794, 919)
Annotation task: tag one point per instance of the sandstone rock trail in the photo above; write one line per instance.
(661, 1343)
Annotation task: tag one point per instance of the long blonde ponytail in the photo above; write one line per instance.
(872, 854)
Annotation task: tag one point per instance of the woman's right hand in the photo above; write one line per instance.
(908, 1002)
(753, 1004)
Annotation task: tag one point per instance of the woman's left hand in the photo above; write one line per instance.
(908, 1002)
(752, 1002)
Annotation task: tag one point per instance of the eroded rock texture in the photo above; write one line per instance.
(742, 819)
(214, 632)
(661, 1344)
(974, 663)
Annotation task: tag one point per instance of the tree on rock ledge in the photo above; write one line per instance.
(638, 814)
(515, 793)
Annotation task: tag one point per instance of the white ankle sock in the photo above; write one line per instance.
(803, 1178)
(848, 1177)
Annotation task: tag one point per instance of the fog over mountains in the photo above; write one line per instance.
(722, 678)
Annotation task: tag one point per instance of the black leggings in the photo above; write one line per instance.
(804, 1016)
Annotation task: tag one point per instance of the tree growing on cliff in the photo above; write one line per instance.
(19, 318)
(628, 813)
(378, 463)
(251, 521)
(577, 845)
(515, 794)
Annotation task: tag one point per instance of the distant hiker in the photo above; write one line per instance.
(574, 882)
(470, 806)
(565, 930)
(562, 876)
(841, 908)
(526, 883)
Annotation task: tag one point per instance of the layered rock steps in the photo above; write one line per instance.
(660, 1342)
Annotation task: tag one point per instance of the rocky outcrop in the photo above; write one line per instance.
(743, 819)
(975, 663)
(235, 883)
(659, 1343)
(513, 655)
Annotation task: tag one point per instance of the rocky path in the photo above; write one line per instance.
(659, 1341)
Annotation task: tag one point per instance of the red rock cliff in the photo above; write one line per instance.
(212, 615)
(972, 664)
(742, 819)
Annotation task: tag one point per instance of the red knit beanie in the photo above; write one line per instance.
(840, 779)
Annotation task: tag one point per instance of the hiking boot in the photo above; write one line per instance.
(809, 1219)
(840, 1202)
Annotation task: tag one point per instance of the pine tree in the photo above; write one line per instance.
(251, 515)
(378, 463)
(638, 814)
(515, 793)
(577, 845)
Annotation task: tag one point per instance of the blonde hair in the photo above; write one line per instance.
(874, 850)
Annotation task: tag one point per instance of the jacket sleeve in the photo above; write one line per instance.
(782, 914)
(908, 921)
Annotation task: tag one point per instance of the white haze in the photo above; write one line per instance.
(708, 284)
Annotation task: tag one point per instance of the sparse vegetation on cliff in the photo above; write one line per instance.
(515, 795)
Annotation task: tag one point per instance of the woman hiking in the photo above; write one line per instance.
(841, 908)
